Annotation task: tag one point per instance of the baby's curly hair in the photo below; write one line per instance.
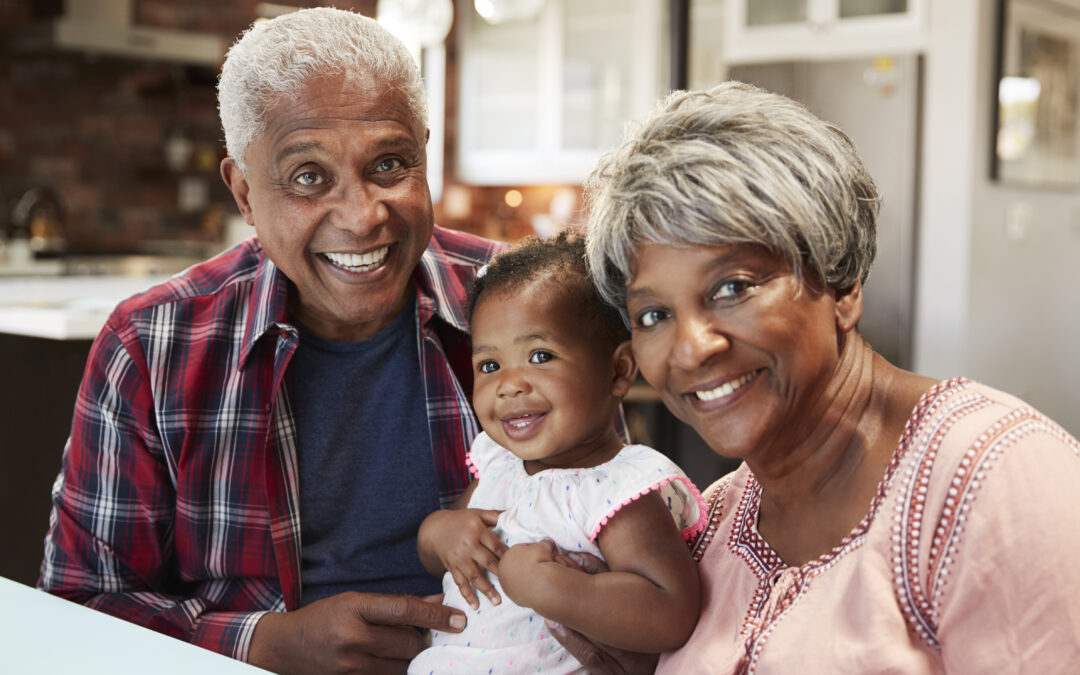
(562, 259)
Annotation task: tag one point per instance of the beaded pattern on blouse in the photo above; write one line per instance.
(922, 603)
(744, 540)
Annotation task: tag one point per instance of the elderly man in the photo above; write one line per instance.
(259, 438)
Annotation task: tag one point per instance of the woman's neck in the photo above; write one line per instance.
(839, 443)
(815, 492)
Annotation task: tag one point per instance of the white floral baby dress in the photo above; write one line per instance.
(569, 506)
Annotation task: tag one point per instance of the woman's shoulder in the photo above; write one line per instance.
(987, 485)
(721, 499)
(961, 416)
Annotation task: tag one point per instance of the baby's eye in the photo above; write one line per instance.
(540, 356)
(487, 366)
(650, 317)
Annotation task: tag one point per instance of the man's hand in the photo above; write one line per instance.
(465, 545)
(598, 659)
(350, 632)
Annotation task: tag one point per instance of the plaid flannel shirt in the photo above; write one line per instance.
(176, 506)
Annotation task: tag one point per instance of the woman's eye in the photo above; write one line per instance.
(650, 317)
(732, 288)
(308, 178)
(487, 366)
(540, 356)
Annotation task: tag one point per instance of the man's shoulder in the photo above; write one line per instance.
(462, 248)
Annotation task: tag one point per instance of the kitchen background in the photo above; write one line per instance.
(109, 148)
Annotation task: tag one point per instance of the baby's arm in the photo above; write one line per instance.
(649, 600)
(459, 540)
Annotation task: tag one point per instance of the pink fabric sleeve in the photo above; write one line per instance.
(1008, 589)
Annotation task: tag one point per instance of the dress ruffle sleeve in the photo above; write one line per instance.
(639, 471)
(484, 454)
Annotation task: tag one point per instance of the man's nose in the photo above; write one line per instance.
(362, 207)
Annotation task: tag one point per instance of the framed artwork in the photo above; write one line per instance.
(1037, 134)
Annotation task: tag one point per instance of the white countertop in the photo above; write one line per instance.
(44, 634)
(65, 307)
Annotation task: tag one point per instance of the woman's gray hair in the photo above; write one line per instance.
(732, 165)
(274, 59)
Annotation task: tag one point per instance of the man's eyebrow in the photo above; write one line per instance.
(296, 149)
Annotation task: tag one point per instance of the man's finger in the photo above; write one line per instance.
(407, 610)
(488, 517)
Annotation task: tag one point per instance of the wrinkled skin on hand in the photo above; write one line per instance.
(350, 633)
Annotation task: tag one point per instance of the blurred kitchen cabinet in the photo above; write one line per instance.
(540, 100)
(776, 30)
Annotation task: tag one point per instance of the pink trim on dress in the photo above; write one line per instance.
(472, 467)
(687, 532)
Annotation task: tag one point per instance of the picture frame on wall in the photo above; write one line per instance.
(1037, 131)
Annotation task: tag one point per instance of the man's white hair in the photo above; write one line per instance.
(273, 60)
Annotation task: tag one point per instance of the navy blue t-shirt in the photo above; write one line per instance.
(367, 475)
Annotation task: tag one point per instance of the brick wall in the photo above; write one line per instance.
(94, 128)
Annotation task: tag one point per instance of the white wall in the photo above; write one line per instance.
(994, 304)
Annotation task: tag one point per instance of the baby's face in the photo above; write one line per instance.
(542, 385)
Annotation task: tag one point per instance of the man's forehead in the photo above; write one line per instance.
(328, 101)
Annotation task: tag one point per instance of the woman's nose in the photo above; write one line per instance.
(697, 339)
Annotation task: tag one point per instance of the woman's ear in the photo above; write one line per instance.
(848, 307)
(625, 368)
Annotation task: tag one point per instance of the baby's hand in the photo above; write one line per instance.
(518, 564)
(467, 546)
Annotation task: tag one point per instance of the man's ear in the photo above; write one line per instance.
(625, 367)
(238, 185)
(848, 307)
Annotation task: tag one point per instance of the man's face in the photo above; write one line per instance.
(337, 192)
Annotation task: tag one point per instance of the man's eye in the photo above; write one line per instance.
(389, 164)
(650, 317)
(540, 356)
(308, 178)
(487, 366)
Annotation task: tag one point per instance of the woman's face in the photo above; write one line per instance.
(736, 346)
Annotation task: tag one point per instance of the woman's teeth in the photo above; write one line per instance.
(358, 262)
(726, 389)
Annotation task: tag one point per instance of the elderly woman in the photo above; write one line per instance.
(881, 521)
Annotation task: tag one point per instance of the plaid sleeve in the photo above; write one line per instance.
(110, 542)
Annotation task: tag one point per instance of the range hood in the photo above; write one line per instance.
(108, 27)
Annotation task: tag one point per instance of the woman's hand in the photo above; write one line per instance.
(466, 546)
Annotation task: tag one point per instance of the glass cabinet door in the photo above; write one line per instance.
(852, 8)
(770, 12)
(599, 70)
(499, 80)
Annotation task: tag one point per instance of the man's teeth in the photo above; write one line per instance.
(358, 262)
(725, 389)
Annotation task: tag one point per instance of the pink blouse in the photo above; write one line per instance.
(968, 560)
